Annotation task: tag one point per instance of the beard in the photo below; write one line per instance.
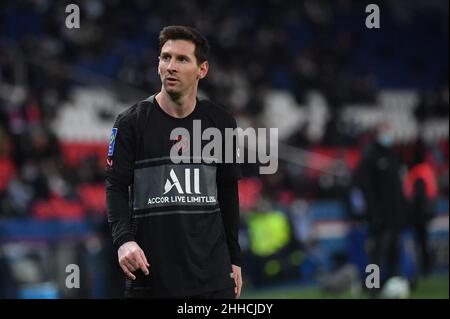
(173, 93)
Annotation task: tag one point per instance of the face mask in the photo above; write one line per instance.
(386, 140)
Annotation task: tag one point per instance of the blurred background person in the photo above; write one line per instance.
(420, 187)
(379, 176)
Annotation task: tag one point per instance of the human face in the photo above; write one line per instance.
(178, 68)
(385, 135)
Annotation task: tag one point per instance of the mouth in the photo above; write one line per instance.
(172, 80)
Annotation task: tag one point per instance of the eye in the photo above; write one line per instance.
(165, 58)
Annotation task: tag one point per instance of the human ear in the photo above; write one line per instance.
(203, 70)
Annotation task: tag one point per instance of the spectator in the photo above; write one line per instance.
(420, 188)
(378, 176)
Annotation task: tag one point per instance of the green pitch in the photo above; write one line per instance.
(433, 287)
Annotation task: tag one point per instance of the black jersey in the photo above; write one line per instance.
(184, 216)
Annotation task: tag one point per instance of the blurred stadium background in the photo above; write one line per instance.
(310, 68)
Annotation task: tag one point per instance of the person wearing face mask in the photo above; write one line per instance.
(379, 178)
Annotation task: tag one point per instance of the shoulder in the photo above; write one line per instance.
(218, 112)
(133, 113)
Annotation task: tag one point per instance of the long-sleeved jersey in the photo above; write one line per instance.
(184, 216)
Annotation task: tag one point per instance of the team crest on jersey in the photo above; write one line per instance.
(112, 142)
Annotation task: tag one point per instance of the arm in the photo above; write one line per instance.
(229, 207)
(119, 176)
(228, 175)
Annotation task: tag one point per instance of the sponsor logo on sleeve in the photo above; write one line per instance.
(112, 142)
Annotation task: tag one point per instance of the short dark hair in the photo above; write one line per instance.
(179, 32)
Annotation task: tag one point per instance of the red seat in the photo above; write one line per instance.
(42, 210)
(58, 208)
(93, 197)
(75, 152)
(7, 172)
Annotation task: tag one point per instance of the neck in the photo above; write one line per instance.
(177, 106)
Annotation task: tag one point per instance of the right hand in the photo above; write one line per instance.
(131, 258)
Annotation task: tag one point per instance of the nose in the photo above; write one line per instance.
(171, 66)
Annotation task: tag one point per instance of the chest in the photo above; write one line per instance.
(161, 137)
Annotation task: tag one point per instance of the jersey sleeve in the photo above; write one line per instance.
(119, 177)
(229, 172)
(228, 175)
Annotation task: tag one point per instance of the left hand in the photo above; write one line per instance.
(237, 280)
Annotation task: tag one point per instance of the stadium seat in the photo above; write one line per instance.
(93, 198)
(58, 208)
(75, 152)
(7, 171)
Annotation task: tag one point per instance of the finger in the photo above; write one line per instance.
(137, 258)
(132, 262)
(232, 275)
(127, 272)
(144, 258)
(144, 268)
(239, 286)
(239, 280)
(141, 264)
